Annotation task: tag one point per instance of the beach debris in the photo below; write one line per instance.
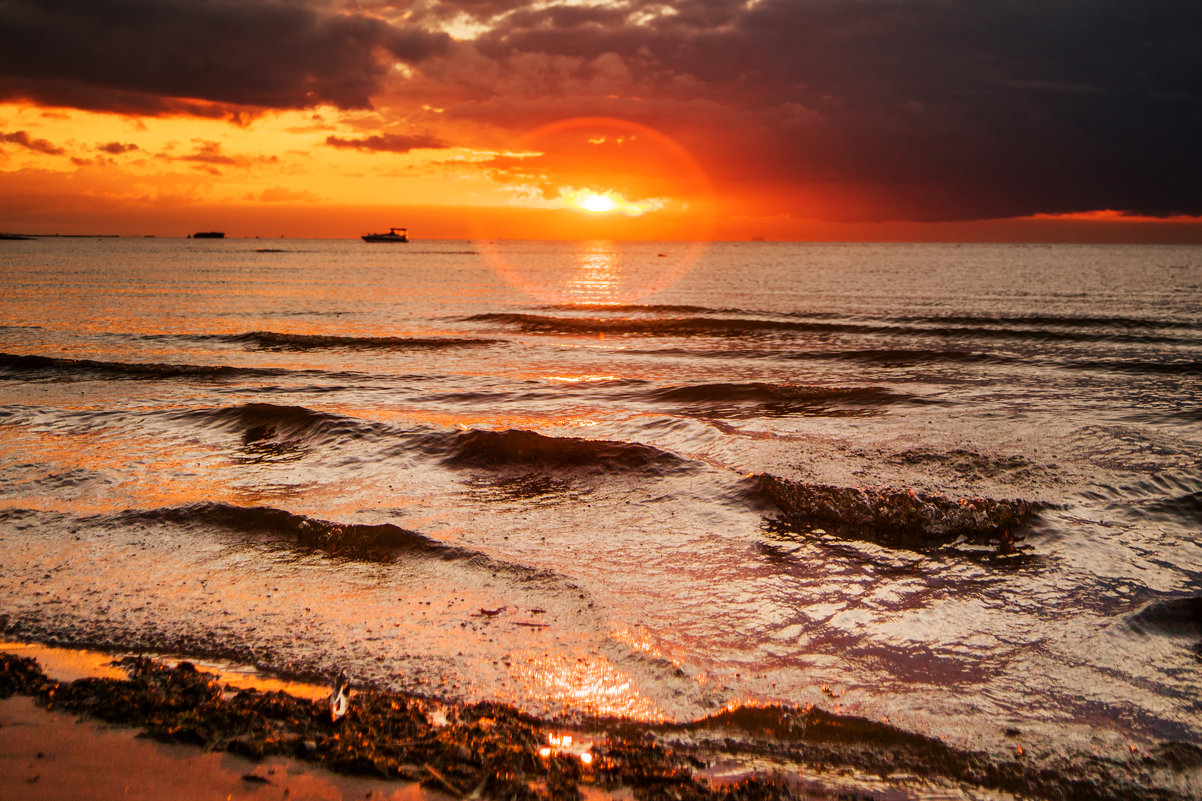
(506, 754)
(339, 701)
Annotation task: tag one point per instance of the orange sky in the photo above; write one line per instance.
(572, 119)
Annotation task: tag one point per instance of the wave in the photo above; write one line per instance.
(1185, 507)
(728, 326)
(343, 539)
(52, 366)
(812, 735)
(266, 425)
(900, 357)
(780, 399)
(882, 357)
(1164, 496)
(516, 448)
(1137, 366)
(636, 308)
(893, 517)
(1067, 321)
(1180, 616)
(274, 340)
(667, 327)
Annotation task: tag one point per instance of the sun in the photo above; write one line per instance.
(603, 202)
(598, 204)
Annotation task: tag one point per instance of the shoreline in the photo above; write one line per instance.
(219, 725)
(55, 756)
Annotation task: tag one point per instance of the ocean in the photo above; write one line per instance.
(957, 488)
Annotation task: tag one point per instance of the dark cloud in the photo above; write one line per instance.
(117, 148)
(208, 153)
(925, 110)
(391, 143)
(144, 56)
(37, 145)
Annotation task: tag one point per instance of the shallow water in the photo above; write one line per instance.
(537, 472)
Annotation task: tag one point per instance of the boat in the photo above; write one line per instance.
(209, 235)
(393, 235)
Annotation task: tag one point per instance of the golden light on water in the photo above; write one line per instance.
(597, 276)
(590, 684)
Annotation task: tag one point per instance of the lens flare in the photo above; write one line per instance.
(614, 182)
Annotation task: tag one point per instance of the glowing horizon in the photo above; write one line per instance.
(469, 121)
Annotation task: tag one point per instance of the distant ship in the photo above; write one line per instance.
(393, 235)
(209, 235)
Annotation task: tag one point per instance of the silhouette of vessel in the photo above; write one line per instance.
(391, 236)
(209, 235)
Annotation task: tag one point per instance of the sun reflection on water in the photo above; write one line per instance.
(597, 277)
(588, 684)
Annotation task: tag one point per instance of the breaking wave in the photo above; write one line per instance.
(1060, 320)
(273, 340)
(901, 357)
(341, 539)
(1165, 496)
(695, 321)
(57, 367)
(260, 423)
(515, 448)
(666, 327)
(1138, 366)
(780, 399)
(1172, 616)
(892, 517)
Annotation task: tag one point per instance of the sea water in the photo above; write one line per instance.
(958, 488)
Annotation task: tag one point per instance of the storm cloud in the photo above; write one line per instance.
(146, 55)
(926, 110)
(841, 109)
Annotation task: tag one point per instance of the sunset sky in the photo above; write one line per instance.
(1045, 120)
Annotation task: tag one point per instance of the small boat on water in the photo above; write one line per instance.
(209, 235)
(393, 235)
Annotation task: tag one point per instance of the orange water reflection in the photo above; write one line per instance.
(597, 275)
(589, 684)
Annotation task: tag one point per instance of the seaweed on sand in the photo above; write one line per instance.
(483, 750)
(490, 750)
